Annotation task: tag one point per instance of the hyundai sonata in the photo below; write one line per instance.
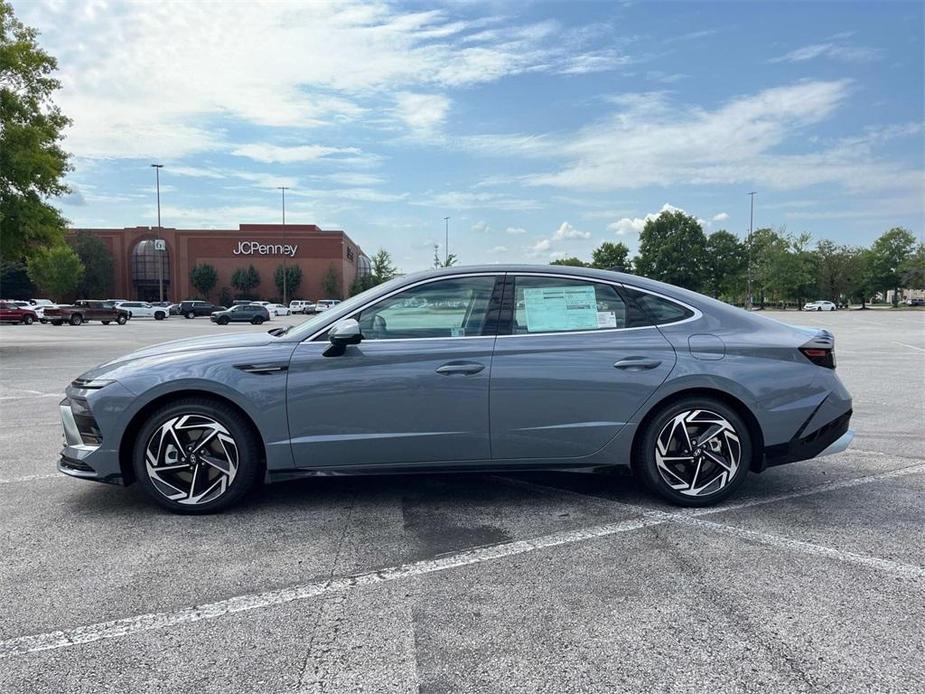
(481, 368)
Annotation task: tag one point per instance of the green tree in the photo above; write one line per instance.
(330, 284)
(57, 271)
(672, 248)
(861, 285)
(836, 265)
(383, 269)
(15, 282)
(912, 270)
(32, 162)
(450, 261)
(570, 262)
(203, 277)
(98, 278)
(889, 254)
(293, 280)
(766, 251)
(612, 256)
(725, 265)
(245, 279)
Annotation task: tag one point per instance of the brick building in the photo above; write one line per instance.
(137, 255)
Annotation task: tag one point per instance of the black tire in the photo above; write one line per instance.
(28, 320)
(105, 322)
(249, 468)
(76, 319)
(257, 320)
(57, 321)
(647, 470)
(190, 314)
(159, 315)
(43, 321)
(222, 320)
(121, 319)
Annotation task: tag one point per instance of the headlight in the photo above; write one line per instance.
(91, 383)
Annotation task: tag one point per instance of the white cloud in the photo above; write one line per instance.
(515, 230)
(461, 200)
(499, 249)
(481, 227)
(355, 179)
(634, 225)
(721, 217)
(541, 246)
(567, 231)
(143, 80)
(423, 114)
(833, 51)
(272, 154)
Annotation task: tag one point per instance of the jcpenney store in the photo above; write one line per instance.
(144, 255)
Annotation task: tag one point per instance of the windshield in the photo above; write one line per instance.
(313, 324)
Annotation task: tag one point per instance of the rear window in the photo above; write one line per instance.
(658, 309)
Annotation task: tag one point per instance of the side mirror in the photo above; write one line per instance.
(341, 334)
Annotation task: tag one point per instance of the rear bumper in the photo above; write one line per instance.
(832, 437)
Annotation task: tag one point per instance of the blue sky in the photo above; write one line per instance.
(541, 129)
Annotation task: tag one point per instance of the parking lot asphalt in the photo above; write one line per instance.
(811, 579)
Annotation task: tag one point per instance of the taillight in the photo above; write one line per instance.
(819, 357)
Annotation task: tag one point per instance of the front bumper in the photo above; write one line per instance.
(87, 453)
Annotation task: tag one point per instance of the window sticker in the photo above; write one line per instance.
(606, 319)
(550, 309)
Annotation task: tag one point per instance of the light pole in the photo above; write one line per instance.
(160, 260)
(283, 189)
(446, 245)
(748, 271)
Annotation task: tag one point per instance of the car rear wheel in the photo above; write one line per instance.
(695, 452)
(257, 320)
(76, 319)
(28, 320)
(190, 314)
(57, 321)
(197, 456)
(159, 315)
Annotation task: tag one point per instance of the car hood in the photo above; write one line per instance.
(197, 344)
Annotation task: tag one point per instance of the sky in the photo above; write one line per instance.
(540, 129)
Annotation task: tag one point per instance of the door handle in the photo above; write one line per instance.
(464, 368)
(637, 364)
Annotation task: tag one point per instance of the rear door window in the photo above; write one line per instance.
(660, 310)
(553, 304)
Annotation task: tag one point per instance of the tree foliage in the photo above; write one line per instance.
(330, 284)
(888, 256)
(450, 260)
(293, 275)
(32, 162)
(672, 248)
(383, 269)
(203, 277)
(570, 262)
(98, 278)
(612, 256)
(245, 279)
(912, 271)
(726, 261)
(14, 281)
(57, 271)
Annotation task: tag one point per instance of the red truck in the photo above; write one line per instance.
(16, 312)
(86, 310)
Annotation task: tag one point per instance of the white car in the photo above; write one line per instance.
(277, 310)
(820, 306)
(325, 304)
(39, 306)
(142, 309)
(301, 306)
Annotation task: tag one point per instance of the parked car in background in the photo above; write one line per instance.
(302, 306)
(12, 312)
(820, 306)
(915, 302)
(192, 309)
(242, 313)
(278, 310)
(142, 309)
(325, 304)
(39, 306)
(87, 310)
(172, 308)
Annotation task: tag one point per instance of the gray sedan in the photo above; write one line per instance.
(513, 368)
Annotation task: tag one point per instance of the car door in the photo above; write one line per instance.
(414, 391)
(574, 360)
(7, 312)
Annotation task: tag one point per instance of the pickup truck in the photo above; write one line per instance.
(86, 310)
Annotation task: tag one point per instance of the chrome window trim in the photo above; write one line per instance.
(429, 280)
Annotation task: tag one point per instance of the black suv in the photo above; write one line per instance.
(191, 309)
(242, 313)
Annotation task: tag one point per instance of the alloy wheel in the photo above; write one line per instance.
(191, 459)
(697, 452)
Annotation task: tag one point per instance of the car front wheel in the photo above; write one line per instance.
(257, 320)
(121, 320)
(222, 320)
(197, 456)
(28, 320)
(190, 314)
(159, 315)
(76, 319)
(695, 452)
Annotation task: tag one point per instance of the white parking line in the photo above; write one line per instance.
(244, 603)
(903, 344)
(30, 478)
